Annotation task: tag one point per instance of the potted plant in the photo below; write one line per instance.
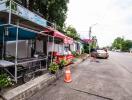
(62, 63)
(53, 67)
(5, 81)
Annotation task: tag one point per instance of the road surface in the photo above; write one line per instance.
(107, 79)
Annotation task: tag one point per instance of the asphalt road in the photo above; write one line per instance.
(107, 79)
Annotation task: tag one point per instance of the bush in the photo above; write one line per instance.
(86, 48)
(62, 63)
(5, 80)
(53, 67)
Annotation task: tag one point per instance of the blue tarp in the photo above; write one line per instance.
(22, 34)
(12, 31)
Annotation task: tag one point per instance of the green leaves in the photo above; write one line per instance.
(123, 45)
(71, 32)
(94, 42)
(118, 43)
(63, 62)
(126, 45)
(86, 48)
(53, 67)
(57, 12)
(5, 80)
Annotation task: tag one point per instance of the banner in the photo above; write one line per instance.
(31, 16)
(22, 12)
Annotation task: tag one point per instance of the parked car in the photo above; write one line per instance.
(102, 54)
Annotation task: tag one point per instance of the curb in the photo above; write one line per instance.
(28, 89)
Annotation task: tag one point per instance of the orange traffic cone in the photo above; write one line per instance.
(67, 78)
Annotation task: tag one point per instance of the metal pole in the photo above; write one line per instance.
(16, 51)
(53, 45)
(47, 46)
(52, 49)
(63, 48)
(3, 45)
(47, 54)
(9, 21)
(89, 39)
(90, 31)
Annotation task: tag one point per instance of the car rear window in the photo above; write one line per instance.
(101, 51)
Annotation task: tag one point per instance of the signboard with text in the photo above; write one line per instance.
(22, 12)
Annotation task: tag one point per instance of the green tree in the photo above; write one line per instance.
(94, 42)
(57, 12)
(118, 42)
(123, 45)
(126, 45)
(71, 32)
(86, 48)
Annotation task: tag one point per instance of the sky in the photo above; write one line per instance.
(109, 19)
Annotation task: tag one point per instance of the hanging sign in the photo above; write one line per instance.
(22, 12)
(25, 13)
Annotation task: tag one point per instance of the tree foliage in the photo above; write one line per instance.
(94, 42)
(126, 45)
(123, 45)
(86, 48)
(52, 10)
(71, 32)
(118, 42)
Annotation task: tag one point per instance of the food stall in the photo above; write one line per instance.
(63, 51)
(18, 23)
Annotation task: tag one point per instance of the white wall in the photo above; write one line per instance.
(39, 46)
(23, 49)
(57, 47)
(73, 47)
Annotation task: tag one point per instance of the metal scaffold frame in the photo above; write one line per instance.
(17, 24)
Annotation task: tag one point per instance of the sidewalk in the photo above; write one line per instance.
(30, 88)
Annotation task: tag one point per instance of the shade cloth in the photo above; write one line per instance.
(12, 31)
(57, 34)
(87, 40)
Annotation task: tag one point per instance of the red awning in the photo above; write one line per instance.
(57, 34)
(68, 40)
(87, 40)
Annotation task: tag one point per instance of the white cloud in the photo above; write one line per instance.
(113, 18)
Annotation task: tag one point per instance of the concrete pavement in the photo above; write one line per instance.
(108, 79)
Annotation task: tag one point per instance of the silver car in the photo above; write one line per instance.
(102, 54)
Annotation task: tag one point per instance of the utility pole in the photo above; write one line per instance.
(90, 31)
(89, 39)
